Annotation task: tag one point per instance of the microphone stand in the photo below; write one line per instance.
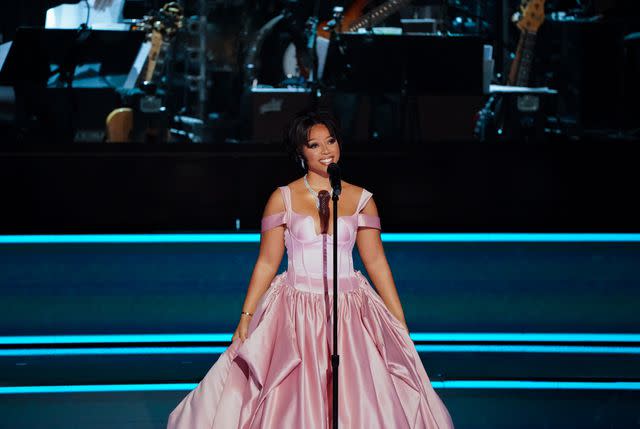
(335, 358)
(311, 29)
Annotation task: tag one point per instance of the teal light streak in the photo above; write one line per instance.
(528, 337)
(116, 338)
(128, 351)
(440, 337)
(449, 384)
(130, 238)
(421, 348)
(386, 237)
(94, 388)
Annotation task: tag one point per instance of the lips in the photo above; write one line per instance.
(326, 161)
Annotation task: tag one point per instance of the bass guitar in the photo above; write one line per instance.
(528, 20)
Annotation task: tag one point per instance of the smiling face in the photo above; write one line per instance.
(320, 150)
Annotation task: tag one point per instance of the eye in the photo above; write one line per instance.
(312, 145)
(331, 140)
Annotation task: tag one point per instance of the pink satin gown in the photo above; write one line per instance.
(280, 377)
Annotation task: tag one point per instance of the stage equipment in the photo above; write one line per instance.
(253, 59)
(273, 108)
(150, 122)
(196, 59)
(415, 64)
(584, 59)
(515, 111)
(424, 76)
(336, 187)
(67, 81)
(351, 20)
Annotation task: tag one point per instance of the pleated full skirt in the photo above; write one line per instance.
(280, 377)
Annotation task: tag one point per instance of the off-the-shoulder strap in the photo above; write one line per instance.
(286, 196)
(365, 220)
(271, 221)
(277, 219)
(364, 199)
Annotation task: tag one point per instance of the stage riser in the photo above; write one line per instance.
(55, 289)
(471, 409)
(190, 368)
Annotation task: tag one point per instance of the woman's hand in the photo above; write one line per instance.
(243, 328)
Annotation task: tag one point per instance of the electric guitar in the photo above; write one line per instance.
(528, 20)
(160, 29)
(293, 62)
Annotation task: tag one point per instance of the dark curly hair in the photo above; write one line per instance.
(296, 134)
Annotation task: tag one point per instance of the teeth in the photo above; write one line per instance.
(326, 161)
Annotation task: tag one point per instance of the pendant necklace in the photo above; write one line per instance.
(314, 193)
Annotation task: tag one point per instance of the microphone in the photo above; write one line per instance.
(334, 178)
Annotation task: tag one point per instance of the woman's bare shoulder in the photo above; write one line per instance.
(353, 190)
(352, 194)
(295, 184)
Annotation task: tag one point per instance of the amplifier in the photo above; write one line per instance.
(273, 108)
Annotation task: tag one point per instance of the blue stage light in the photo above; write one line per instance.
(439, 337)
(421, 348)
(386, 237)
(448, 384)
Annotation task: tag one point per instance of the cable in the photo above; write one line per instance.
(86, 22)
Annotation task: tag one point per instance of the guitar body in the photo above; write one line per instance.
(351, 15)
(119, 125)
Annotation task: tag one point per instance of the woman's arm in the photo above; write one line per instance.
(375, 262)
(270, 256)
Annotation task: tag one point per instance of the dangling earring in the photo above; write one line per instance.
(302, 163)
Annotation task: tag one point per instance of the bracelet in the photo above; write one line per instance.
(244, 312)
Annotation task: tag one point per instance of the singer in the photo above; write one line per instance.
(276, 374)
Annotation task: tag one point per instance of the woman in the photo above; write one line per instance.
(277, 371)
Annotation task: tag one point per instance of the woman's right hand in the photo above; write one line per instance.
(243, 328)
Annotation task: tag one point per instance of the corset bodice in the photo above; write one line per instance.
(310, 255)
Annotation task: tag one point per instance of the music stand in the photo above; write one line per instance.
(60, 75)
(405, 66)
(37, 51)
(412, 63)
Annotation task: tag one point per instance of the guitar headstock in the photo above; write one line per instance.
(165, 23)
(531, 15)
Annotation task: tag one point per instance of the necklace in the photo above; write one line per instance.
(314, 193)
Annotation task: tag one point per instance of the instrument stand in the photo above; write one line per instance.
(316, 84)
(312, 26)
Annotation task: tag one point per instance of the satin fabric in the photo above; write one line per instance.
(280, 377)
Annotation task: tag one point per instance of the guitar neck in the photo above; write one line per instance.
(153, 57)
(376, 15)
(521, 67)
